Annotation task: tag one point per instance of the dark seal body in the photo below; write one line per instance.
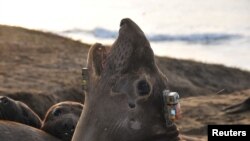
(13, 131)
(17, 111)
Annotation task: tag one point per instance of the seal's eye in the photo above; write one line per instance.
(143, 88)
(4, 100)
(57, 112)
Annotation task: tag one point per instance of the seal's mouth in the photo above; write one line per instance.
(130, 51)
(69, 133)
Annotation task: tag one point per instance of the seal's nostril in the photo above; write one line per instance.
(131, 105)
(123, 22)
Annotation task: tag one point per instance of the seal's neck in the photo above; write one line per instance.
(91, 129)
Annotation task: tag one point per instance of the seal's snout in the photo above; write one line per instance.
(124, 21)
(4, 100)
(130, 26)
(69, 124)
(69, 127)
(130, 50)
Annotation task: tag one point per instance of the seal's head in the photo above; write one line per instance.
(61, 119)
(17, 111)
(124, 99)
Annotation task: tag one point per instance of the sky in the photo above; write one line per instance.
(58, 14)
(168, 17)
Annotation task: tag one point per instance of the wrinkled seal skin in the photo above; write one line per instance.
(61, 119)
(124, 98)
(18, 111)
(13, 131)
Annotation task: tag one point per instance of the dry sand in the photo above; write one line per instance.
(200, 111)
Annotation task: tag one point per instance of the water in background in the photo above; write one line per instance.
(213, 31)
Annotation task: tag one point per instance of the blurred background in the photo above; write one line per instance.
(211, 31)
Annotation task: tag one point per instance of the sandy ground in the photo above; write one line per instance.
(200, 111)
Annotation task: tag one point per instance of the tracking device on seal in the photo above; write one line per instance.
(85, 78)
(171, 106)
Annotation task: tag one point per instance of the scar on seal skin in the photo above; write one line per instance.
(18, 111)
(124, 98)
(61, 119)
(13, 131)
(238, 108)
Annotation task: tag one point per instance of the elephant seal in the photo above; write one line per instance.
(124, 99)
(61, 119)
(18, 111)
(238, 108)
(13, 131)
